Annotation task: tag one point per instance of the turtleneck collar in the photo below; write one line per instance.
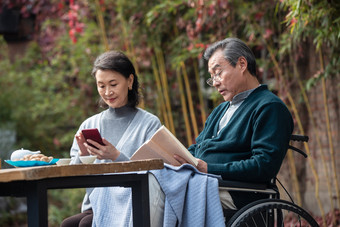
(121, 111)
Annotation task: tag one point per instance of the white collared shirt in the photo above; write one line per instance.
(235, 103)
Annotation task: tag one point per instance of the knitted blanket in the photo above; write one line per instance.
(191, 199)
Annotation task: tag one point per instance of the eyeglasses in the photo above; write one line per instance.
(216, 78)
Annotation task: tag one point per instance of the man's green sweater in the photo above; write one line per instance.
(252, 146)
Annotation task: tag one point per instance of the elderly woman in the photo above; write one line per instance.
(123, 126)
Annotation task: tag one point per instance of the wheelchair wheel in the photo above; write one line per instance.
(272, 213)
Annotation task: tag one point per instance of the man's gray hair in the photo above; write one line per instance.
(233, 49)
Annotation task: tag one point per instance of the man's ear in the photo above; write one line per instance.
(243, 64)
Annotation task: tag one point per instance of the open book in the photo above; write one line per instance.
(163, 144)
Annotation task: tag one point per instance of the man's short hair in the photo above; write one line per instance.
(233, 49)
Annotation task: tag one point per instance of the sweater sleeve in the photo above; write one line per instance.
(272, 126)
(207, 128)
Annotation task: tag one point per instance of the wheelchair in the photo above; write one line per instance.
(270, 211)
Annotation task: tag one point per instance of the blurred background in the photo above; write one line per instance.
(47, 48)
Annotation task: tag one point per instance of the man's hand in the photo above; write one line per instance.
(202, 166)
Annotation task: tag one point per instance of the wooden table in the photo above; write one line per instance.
(33, 183)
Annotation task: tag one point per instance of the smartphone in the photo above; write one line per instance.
(93, 134)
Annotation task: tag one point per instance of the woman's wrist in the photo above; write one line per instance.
(115, 155)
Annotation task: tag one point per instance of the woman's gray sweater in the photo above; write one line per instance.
(126, 128)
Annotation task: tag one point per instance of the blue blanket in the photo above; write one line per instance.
(191, 199)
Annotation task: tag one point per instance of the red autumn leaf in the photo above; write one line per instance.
(293, 21)
(268, 33)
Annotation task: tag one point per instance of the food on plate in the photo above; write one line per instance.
(36, 157)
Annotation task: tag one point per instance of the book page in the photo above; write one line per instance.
(150, 150)
(169, 143)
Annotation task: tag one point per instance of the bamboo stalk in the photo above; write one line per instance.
(184, 107)
(132, 54)
(164, 82)
(125, 34)
(189, 98)
(305, 98)
(200, 95)
(310, 160)
(291, 161)
(294, 177)
(101, 24)
(160, 96)
(128, 43)
(329, 133)
(130, 51)
(330, 139)
(317, 136)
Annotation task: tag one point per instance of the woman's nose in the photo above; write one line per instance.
(108, 92)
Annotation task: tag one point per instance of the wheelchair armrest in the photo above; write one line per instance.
(240, 184)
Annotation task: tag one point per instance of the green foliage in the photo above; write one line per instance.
(5, 95)
(8, 219)
(50, 95)
(49, 90)
(63, 203)
(319, 21)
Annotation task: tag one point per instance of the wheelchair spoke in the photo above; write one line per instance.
(254, 222)
(263, 219)
(272, 213)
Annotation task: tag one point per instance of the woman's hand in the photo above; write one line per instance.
(107, 151)
(80, 141)
(202, 166)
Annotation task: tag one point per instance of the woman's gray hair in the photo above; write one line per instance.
(233, 49)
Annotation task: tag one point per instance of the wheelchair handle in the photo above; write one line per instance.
(301, 138)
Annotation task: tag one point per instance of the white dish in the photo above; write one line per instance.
(63, 161)
(87, 159)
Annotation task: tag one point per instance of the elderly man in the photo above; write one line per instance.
(246, 137)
